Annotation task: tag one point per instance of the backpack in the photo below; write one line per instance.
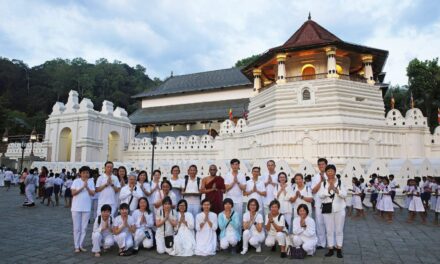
(99, 220)
(186, 182)
(285, 222)
(339, 183)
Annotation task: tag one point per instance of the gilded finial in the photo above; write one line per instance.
(310, 16)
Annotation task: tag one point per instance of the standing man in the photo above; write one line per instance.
(317, 181)
(8, 178)
(270, 181)
(191, 191)
(107, 186)
(235, 183)
(255, 188)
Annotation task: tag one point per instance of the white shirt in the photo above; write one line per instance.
(118, 223)
(126, 194)
(9, 175)
(97, 227)
(284, 198)
(270, 187)
(281, 222)
(306, 192)
(260, 187)
(166, 229)
(107, 195)
(258, 220)
(137, 216)
(338, 203)
(146, 186)
(58, 181)
(49, 182)
(82, 202)
(315, 181)
(192, 187)
(235, 193)
(393, 185)
(68, 183)
(177, 187)
(159, 197)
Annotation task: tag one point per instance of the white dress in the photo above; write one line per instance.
(356, 201)
(386, 201)
(416, 204)
(184, 240)
(206, 237)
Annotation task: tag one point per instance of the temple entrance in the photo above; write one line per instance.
(65, 145)
(113, 146)
(308, 72)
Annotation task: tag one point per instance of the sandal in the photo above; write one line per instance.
(97, 254)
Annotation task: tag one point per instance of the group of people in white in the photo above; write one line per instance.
(192, 216)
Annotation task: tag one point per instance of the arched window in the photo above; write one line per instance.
(306, 95)
(308, 72)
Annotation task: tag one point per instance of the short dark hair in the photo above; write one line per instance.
(166, 200)
(391, 176)
(322, 160)
(298, 175)
(253, 200)
(256, 168)
(192, 166)
(165, 181)
(235, 161)
(148, 204)
(303, 206)
(229, 201)
(270, 161)
(274, 202)
(282, 173)
(124, 206)
(154, 172)
(106, 207)
(205, 200)
(174, 166)
(330, 167)
(105, 164)
(143, 172)
(183, 201)
(84, 168)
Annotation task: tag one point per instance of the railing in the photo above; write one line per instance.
(355, 78)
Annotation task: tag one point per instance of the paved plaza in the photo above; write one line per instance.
(44, 235)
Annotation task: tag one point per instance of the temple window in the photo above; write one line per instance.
(306, 95)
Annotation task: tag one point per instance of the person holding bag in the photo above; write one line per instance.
(332, 194)
(165, 223)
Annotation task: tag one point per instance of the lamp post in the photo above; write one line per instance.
(153, 143)
(23, 147)
(5, 140)
(33, 138)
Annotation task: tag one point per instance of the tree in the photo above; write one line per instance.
(424, 84)
(401, 98)
(246, 61)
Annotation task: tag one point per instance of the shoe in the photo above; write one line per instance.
(258, 249)
(283, 255)
(330, 253)
(135, 251)
(83, 249)
(244, 251)
(339, 253)
(274, 248)
(77, 250)
(319, 247)
(97, 254)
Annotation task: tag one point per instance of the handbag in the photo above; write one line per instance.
(326, 208)
(296, 253)
(169, 240)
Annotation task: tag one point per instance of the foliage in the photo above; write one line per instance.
(246, 61)
(27, 94)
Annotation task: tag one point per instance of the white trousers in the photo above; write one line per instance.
(80, 221)
(308, 246)
(320, 226)
(194, 209)
(113, 206)
(280, 237)
(29, 191)
(334, 226)
(99, 239)
(228, 240)
(160, 245)
(250, 238)
(124, 240)
(140, 237)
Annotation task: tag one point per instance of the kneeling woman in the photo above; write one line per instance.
(303, 231)
(123, 229)
(184, 240)
(253, 227)
(206, 225)
(143, 219)
(165, 223)
(276, 228)
(229, 224)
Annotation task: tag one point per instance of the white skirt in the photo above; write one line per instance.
(387, 204)
(356, 202)
(416, 205)
(437, 205)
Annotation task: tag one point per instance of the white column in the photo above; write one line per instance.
(188, 127)
(368, 68)
(331, 62)
(257, 80)
(281, 59)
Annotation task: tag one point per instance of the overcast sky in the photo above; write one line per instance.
(192, 36)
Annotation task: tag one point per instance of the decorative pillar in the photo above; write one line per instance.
(281, 59)
(331, 62)
(257, 80)
(368, 69)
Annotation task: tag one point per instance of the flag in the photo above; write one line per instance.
(393, 102)
(231, 117)
(245, 114)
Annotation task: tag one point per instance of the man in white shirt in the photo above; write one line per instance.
(317, 180)
(191, 191)
(107, 186)
(235, 183)
(270, 181)
(8, 178)
(255, 188)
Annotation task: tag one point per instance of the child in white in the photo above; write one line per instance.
(253, 227)
(123, 229)
(416, 204)
(206, 226)
(144, 222)
(303, 231)
(102, 231)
